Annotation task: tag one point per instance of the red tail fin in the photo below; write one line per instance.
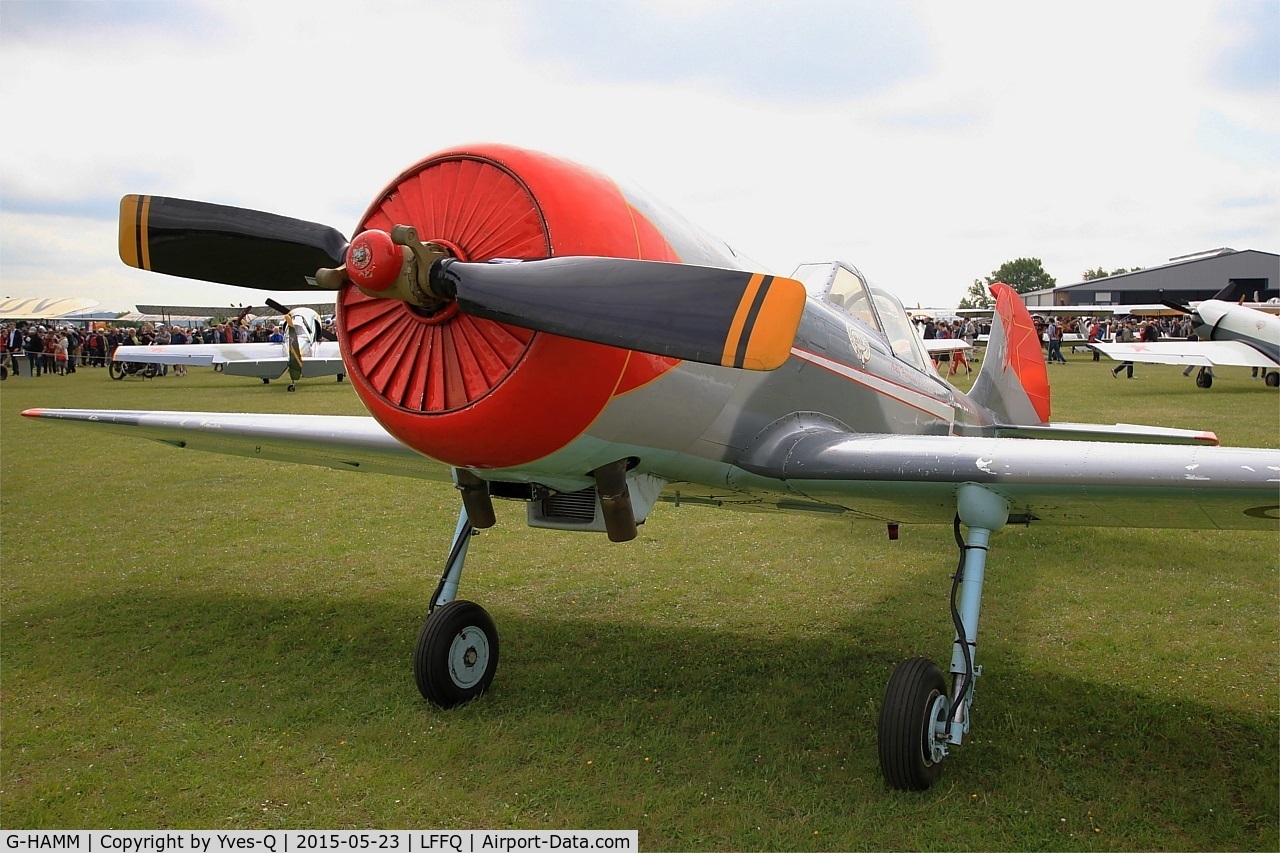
(1014, 382)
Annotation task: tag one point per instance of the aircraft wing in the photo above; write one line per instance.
(895, 478)
(937, 345)
(1204, 353)
(342, 442)
(1089, 483)
(263, 360)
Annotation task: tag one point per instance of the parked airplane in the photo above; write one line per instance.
(302, 354)
(1228, 334)
(629, 357)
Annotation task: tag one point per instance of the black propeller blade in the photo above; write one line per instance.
(716, 316)
(719, 316)
(227, 245)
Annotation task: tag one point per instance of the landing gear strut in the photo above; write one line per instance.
(919, 720)
(456, 655)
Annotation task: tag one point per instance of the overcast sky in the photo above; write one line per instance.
(925, 142)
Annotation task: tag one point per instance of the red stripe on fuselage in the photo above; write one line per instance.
(941, 410)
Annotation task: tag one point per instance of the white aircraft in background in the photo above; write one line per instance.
(302, 353)
(1228, 334)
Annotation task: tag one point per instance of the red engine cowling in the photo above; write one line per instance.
(477, 393)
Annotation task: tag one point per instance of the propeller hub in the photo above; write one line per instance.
(374, 261)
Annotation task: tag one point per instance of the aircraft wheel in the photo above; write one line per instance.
(340, 375)
(116, 370)
(293, 387)
(915, 699)
(1273, 379)
(1204, 378)
(456, 654)
(150, 371)
(266, 381)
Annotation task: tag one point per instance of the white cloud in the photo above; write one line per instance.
(1073, 132)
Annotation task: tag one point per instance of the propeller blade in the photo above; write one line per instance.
(1176, 306)
(226, 245)
(718, 316)
(276, 306)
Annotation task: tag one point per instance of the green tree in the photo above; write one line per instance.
(979, 296)
(1093, 275)
(1023, 275)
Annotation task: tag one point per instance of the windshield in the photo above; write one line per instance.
(838, 285)
(903, 338)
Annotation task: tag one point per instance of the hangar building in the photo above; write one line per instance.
(1185, 279)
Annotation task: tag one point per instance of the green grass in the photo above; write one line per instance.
(189, 640)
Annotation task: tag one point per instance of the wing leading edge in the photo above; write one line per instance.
(345, 443)
(1204, 353)
(1085, 483)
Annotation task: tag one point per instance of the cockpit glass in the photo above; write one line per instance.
(903, 338)
(849, 292)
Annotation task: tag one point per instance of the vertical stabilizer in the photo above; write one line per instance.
(1013, 382)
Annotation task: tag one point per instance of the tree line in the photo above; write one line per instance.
(1024, 275)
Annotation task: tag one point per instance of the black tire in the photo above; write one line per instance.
(266, 381)
(1273, 379)
(1204, 379)
(150, 371)
(116, 369)
(905, 726)
(293, 387)
(456, 654)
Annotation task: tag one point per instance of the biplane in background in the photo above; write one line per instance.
(531, 330)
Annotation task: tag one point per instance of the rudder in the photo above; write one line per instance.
(1013, 382)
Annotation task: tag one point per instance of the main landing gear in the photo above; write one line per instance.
(919, 719)
(456, 655)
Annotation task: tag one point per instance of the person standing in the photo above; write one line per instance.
(1095, 336)
(15, 343)
(1124, 336)
(1053, 334)
(178, 338)
(33, 345)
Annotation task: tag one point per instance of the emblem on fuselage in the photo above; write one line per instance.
(861, 346)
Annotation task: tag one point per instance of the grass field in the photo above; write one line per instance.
(198, 641)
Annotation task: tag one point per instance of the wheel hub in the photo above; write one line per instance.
(468, 657)
(936, 733)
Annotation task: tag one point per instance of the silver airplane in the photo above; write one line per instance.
(1228, 334)
(530, 330)
(302, 354)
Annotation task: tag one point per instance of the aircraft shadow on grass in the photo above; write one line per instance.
(679, 679)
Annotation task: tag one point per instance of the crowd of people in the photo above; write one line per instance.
(60, 350)
(966, 330)
(32, 349)
(1054, 331)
